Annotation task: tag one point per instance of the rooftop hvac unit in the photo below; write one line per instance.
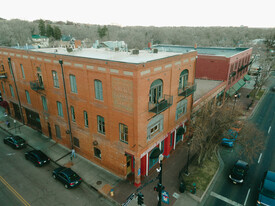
(155, 51)
(135, 51)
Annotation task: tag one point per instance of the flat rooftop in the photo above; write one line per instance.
(204, 86)
(103, 54)
(213, 51)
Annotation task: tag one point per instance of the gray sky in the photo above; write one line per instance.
(146, 12)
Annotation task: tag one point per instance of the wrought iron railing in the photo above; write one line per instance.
(161, 105)
(36, 85)
(187, 90)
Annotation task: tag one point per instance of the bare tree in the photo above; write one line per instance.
(251, 141)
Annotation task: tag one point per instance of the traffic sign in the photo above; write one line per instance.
(165, 197)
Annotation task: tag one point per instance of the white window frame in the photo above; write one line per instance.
(73, 83)
(98, 90)
(59, 109)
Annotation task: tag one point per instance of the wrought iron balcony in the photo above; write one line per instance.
(161, 105)
(187, 90)
(36, 85)
(3, 75)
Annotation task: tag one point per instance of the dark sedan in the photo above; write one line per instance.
(15, 141)
(239, 172)
(67, 176)
(37, 157)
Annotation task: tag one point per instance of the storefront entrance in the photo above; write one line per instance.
(33, 119)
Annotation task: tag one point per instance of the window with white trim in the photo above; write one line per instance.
(181, 108)
(155, 92)
(73, 83)
(155, 126)
(98, 90)
(60, 109)
(55, 79)
(123, 133)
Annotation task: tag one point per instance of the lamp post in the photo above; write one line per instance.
(160, 179)
(235, 96)
(187, 165)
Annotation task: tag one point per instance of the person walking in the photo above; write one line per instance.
(73, 154)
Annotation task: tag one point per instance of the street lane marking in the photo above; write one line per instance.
(269, 129)
(14, 192)
(231, 202)
(260, 158)
(246, 197)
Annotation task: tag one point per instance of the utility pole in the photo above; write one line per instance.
(66, 100)
(19, 102)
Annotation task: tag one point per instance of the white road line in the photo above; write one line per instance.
(246, 197)
(231, 202)
(260, 158)
(269, 129)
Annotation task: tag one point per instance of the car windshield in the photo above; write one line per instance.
(18, 139)
(74, 177)
(238, 170)
(268, 193)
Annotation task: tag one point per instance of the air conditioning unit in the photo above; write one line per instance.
(155, 51)
(135, 51)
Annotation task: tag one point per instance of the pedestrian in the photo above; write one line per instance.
(8, 124)
(73, 153)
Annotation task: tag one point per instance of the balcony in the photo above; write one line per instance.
(36, 86)
(3, 75)
(187, 90)
(162, 104)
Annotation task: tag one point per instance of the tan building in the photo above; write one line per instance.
(114, 108)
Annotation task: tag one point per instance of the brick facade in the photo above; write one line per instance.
(125, 92)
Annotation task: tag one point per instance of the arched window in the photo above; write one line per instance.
(183, 78)
(155, 91)
(155, 126)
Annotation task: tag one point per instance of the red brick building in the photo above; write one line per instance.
(219, 63)
(114, 108)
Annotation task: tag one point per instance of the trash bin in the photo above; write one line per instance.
(182, 187)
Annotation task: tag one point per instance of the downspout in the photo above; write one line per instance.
(20, 107)
(66, 100)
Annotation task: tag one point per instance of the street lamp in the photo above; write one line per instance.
(235, 96)
(187, 165)
(159, 188)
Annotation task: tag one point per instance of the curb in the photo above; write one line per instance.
(211, 183)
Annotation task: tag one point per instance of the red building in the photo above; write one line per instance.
(219, 63)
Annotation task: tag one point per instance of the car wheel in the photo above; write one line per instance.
(66, 186)
(54, 176)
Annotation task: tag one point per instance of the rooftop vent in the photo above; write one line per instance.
(155, 51)
(135, 51)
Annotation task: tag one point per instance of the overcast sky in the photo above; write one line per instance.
(146, 12)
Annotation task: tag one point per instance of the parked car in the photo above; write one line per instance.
(15, 141)
(37, 157)
(230, 139)
(267, 189)
(67, 176)
(239, 171)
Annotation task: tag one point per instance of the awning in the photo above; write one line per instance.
(235, 88)
(247, 77)
(180, 131)
(241, 82)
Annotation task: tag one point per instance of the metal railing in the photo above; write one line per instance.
(161, 105)
(36, 85)
(187, 90)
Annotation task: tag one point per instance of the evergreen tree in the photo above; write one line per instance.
(102, 31)
(56, 33)
(42, 29)
(49, 31)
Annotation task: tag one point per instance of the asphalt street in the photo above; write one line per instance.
(224, 191)
(21, 183)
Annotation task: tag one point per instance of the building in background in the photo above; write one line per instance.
(114, 108)
(218, 63)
